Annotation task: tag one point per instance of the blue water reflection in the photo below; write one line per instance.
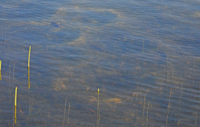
(142, 55)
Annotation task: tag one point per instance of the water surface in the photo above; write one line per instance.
(143, 56)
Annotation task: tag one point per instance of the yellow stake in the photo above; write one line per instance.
(29, 56)
(98, 112)
(15, 96)
(0, 75)
(29, 78)
(15, 105)
(15, 115)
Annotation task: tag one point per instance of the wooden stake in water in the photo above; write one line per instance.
(29, 56)
(15, 105)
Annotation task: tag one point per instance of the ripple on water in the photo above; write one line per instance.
(91, 17)
(30, 11)
(42, 34)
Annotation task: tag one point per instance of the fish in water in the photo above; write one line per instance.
(54, 24)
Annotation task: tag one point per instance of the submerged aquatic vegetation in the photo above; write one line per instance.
(114, 100)
(59, 85)
(117, 65)
(110, 100)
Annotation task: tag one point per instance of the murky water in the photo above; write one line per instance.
(143, 56)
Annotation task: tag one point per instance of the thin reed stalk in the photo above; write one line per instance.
(98, 112)
(179, 102)
(196, 119)
(147, 114)
(68, 113)
(166, 73)
(143, 47)
(0, 65)
(136, 105)
(9, 73)
(168, 108)
(0, 70)
(31, 101)
(143, 109)
(13, 72)
(64, 112)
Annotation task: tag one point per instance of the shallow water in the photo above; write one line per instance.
(142, 55)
